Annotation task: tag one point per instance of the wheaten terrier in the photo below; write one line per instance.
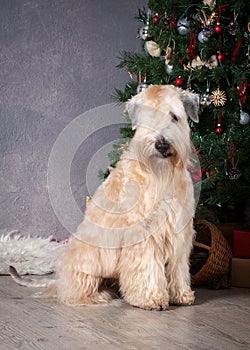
(138, 227)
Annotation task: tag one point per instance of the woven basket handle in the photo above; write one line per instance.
(201, 245)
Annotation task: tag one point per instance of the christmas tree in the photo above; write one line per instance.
(203, 47)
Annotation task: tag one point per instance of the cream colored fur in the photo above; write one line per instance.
(138, 227)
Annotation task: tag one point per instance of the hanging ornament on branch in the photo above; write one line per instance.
(192, 50)
(219, 129)
(232, 162)
(168, 57)
(144, 30)
(210, 3)
(183, 26)
(199, 63)
(179, 81)
(152, 48)
(244, 116)
(218, 98)
(233, 26)
(142, 84)
(208, 28)
(205, 98)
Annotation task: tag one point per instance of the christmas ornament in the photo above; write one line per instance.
(233, 25)
(156, 18)
(179, 81)
(219, 129)
(208, 30)
(169, 69)
(210, 3)
(202, 37)
(244, 117)
(142, 84)
(210, 63)
(152, 48)
(220, 56)
(218, 98)
(192, 49)
(218, 29)
(183, 26)
(234, 174)
(144, 32)
(205, 98)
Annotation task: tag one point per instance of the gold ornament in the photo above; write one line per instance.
(218, 98)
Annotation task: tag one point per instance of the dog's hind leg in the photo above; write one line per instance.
(77, 288)
(142, 279)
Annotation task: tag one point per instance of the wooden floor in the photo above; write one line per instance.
(218, 320)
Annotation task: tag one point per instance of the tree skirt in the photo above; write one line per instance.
(29, 255)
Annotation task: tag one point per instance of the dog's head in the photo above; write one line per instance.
(159, 115)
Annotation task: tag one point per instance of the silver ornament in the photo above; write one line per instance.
(202, 37)
(169, 69)
(244, 118)
(183, 26)
(141, 87)
(205, 99)
(144, 32)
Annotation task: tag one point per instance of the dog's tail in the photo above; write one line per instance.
(30, 282)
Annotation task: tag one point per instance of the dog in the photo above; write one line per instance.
(138, 226)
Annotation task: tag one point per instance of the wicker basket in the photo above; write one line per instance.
(209, 237)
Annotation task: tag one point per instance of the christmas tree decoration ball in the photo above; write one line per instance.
(202, 37)
(220, 56)
(144, 32)
(218, 129)
(156, 18)
(244, 118)
(205, 99)
(183, 26)
(179, 81)
(217, 29)
(169, 69)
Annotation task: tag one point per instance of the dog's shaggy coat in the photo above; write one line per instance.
(138, 227)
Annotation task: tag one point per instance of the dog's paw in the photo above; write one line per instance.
(153, 305)
(186, 298)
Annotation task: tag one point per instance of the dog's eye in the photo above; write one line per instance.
(174, 118)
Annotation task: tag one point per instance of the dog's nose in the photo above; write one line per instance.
(162, 145)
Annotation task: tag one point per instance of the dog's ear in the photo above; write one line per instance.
(191, 103)
(131, 109)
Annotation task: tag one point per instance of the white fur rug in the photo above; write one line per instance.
(29, 255)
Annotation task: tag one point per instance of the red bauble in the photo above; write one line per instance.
(218, 130)
(155, 18)
(218, 29)
(179, 81)
(220, 56)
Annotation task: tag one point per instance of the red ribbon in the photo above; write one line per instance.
(236, 50)
(221, 8)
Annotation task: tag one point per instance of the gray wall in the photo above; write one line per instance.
(58, 61)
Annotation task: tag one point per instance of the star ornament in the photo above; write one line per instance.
(218, 98)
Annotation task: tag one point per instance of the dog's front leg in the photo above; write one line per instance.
(142, 277)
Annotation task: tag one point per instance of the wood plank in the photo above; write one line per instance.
(218, 320)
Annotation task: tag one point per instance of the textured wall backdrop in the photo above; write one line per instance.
(58, 61)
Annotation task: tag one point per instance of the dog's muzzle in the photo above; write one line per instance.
(163, 147)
